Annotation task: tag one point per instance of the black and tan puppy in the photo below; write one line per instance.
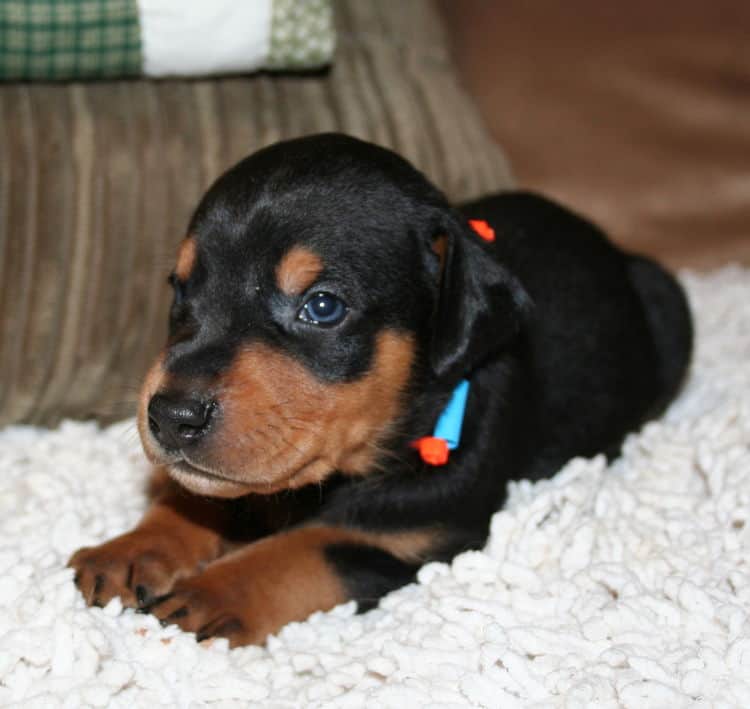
(327, 302)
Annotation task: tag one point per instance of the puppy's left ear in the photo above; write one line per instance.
(481, 306)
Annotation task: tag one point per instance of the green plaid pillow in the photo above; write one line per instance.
(49, 39)
(96, 39)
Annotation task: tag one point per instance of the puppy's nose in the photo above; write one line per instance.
(176, 422)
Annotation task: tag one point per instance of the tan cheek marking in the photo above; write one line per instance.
(298, 270)
(368, 408)
(265, 399)
(293, 429)
(185, 258)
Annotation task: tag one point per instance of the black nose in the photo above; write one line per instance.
(176, 422)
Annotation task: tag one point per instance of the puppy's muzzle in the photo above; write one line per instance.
(178, 423)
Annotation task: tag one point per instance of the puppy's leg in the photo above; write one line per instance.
(253, 592)
(178, 533)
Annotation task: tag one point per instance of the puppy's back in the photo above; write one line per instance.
(668, 314)
(610, 335)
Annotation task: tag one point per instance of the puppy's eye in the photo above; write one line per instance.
(323, 309)
(178, 288)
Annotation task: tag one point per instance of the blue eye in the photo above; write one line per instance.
(323, 309)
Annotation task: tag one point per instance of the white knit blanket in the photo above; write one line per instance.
(625, 585)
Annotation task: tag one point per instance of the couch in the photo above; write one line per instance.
(98, 180)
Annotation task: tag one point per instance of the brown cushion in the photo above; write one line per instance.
(636, 113)
(97, 182)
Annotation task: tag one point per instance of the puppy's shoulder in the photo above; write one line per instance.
(530, 214)
(535, 235)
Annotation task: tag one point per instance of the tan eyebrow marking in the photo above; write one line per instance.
(298, 270)
(186, 253)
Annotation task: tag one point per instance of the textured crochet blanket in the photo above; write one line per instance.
(609, 585)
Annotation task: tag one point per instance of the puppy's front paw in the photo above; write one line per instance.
(205, 606)
(138, 567)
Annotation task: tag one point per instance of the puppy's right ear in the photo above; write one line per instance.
(481, 305)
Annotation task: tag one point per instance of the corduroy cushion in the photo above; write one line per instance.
(97, 183)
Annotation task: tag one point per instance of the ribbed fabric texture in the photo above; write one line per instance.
(97, 182)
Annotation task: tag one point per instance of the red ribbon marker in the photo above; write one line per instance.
(482, 228)
(433, 451)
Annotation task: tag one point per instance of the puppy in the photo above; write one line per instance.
(329, 309)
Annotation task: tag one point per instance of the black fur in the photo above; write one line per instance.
(569, 342)
(369, 572)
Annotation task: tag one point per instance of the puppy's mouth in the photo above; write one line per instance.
(205, 481)
(189, 468)
(202, 481)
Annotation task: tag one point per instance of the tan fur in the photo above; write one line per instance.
(254, 591)
(298, 270)
(412, 546)
(282, 428)
(186, 254)
(177, 534)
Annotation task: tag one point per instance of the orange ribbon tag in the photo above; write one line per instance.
(433, 451)
(482, 228)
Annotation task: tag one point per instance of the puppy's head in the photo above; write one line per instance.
(323, 284)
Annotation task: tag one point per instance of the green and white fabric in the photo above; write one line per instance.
(60, 39)
(301, 34)
(80, 39)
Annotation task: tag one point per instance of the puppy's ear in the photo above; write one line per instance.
(481, 305)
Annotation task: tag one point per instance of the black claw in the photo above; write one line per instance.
(152, 602)
(142, 595)
(179, 613)
(98, 583)
(77, 578)
(221, 628)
